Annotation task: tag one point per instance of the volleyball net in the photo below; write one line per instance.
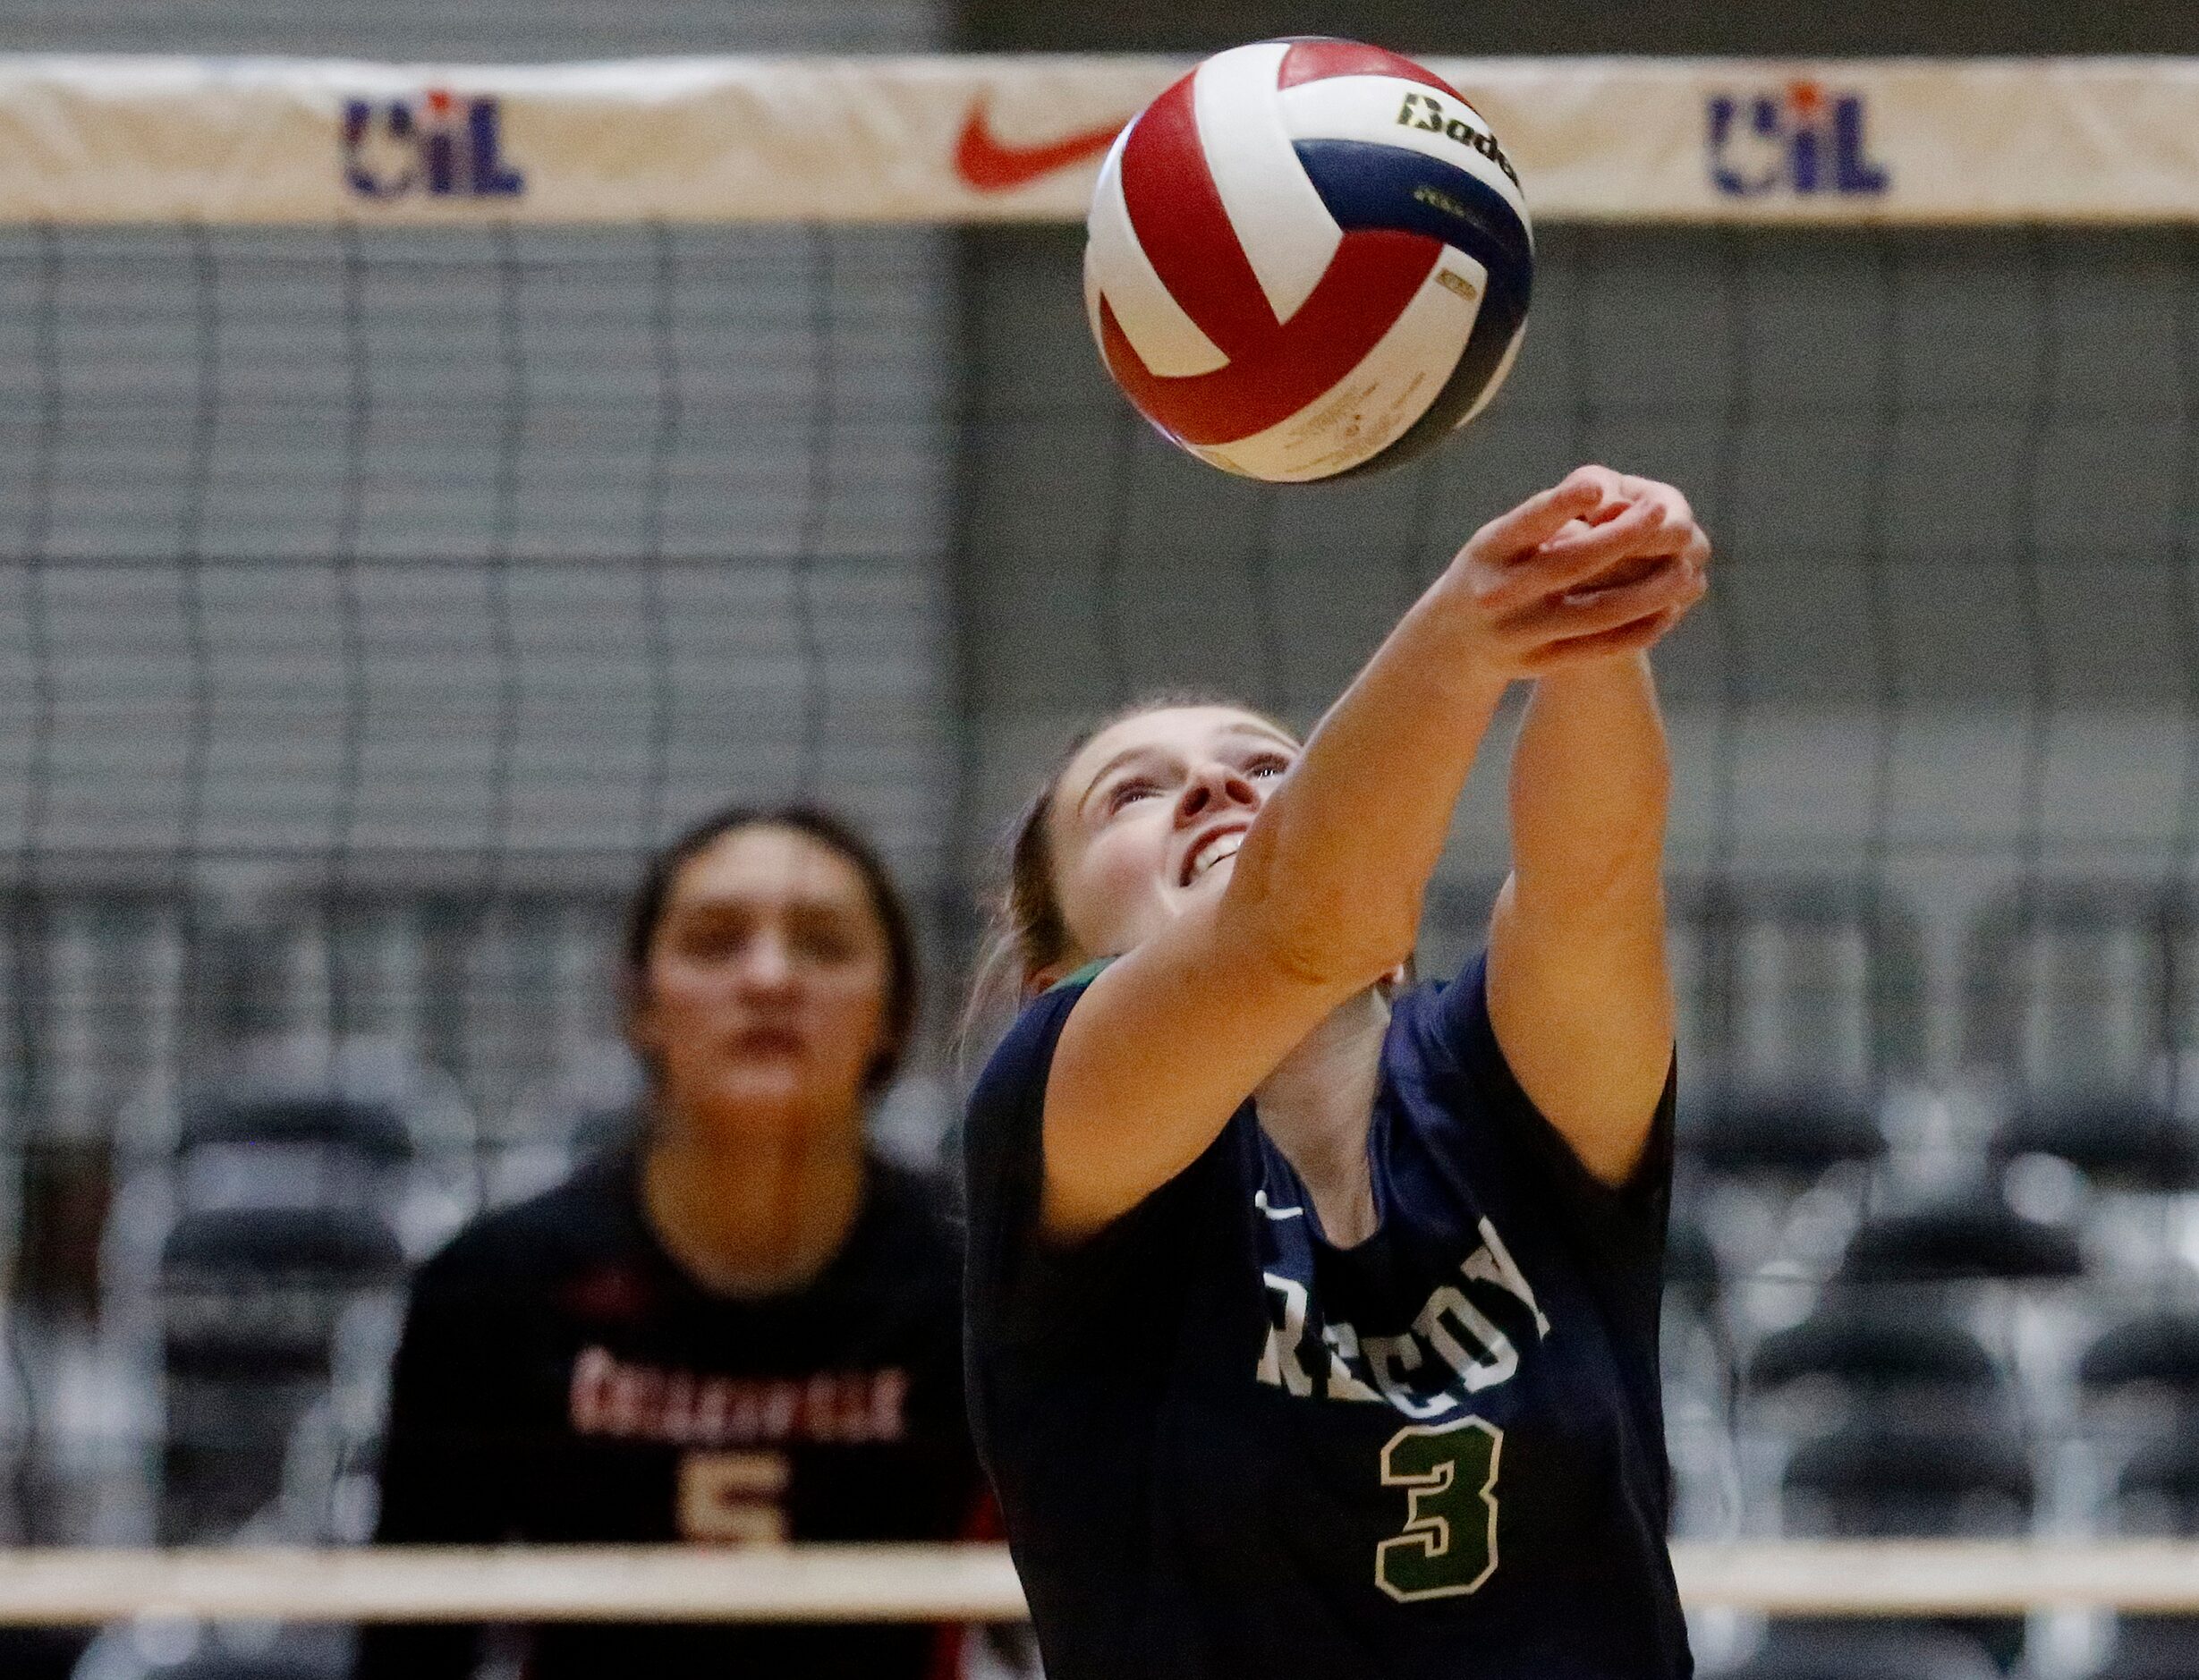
(422, 490)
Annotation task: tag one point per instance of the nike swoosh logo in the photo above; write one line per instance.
(990, 165)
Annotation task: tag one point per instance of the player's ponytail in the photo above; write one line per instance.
(1024, 932)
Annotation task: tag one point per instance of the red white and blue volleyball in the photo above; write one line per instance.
(1308, 259)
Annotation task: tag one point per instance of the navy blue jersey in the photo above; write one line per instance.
(1226, 1447)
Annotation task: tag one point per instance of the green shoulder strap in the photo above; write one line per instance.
(1090, 970)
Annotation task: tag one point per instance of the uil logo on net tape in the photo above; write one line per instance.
(1798, 141)
(437, 146)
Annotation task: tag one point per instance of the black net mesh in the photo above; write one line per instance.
(1947, 662)
(372, 603)
(368, 602)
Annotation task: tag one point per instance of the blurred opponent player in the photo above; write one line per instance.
(746, 1328)
(1314, 1321)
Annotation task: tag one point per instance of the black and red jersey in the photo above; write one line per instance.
(562, 1380)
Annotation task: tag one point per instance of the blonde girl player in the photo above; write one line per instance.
(1312, 1316)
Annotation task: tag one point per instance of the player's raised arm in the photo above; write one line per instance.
(1215, 987)
(1578, 991)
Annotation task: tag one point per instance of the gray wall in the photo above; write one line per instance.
(480, 30)
(1771, 28)
(518, 29)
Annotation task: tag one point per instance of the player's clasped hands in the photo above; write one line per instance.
(1600, 564)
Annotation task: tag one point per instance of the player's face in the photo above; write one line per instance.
(767, 982)
(1147, 818)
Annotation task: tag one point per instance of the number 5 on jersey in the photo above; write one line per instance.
(1450, 1543)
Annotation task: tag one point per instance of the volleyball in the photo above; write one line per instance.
(1308, 259)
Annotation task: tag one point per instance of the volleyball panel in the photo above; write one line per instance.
(1391, 112)
(1157, 329)
(1385, 397)
(1281, 224)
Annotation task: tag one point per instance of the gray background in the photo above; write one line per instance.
(466, 566)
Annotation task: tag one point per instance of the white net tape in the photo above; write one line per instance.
(977, 1583)
(983, 140)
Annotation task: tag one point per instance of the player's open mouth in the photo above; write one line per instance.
(1211, 850)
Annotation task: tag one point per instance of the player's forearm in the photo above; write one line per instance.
(1590, 785)
(1578, 991)
(1334, 873)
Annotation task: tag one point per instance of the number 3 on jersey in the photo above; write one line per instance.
(1450, 1543)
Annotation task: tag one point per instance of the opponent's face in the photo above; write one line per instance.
(766, 985)
(1147, 819)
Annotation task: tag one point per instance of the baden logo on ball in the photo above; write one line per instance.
(1308, 259)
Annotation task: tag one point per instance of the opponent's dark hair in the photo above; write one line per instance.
(1026, 933)
(645, 909)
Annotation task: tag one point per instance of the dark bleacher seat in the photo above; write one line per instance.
(2160, 1350)
(1872, 1478)
(164, 1648)
(2158, 1490)
(1698, 1341)
(1794, 1136)
(1691, 1263)
(1815, 1650)
(1880, 1351)
(341, 1244)
(2154, 1647)
(2125, 1142)
(40, 1653)
(250, 1302)
(1971, 1233)
(256, 1292)
(370, 1127)
(252, 1266)
(300, 1148)
(217, 1664)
